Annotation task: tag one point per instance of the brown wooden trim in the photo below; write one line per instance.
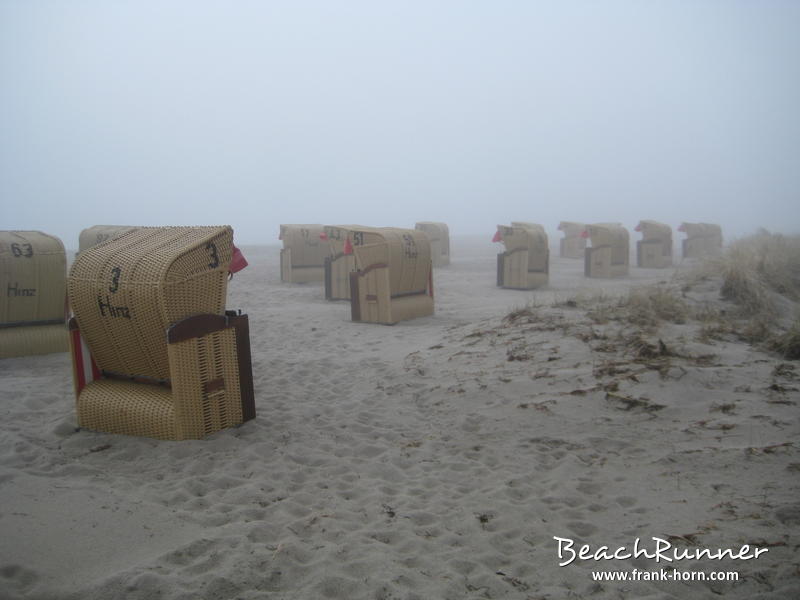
(136, 378)
(587, 262)
(209, 387)
(195, 326)
(404, 294)
(328, 278)
(242, 326)
(372, 267)
(32, 323)
(355, 300)
(500, 267)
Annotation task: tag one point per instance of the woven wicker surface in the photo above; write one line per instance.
(91, 236)
(125, 292)
(37, 339)
(205, 384)
(33, 271)
(439, 237)
(128, 408)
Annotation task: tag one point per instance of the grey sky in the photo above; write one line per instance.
(385, 113)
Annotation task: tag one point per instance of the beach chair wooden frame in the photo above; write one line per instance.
(525, 264)
(573, 244)
(154, 352)
(33, 280)
(393, 280)
(303, 254)
(654, 250)
(439, 237)
(609, 255)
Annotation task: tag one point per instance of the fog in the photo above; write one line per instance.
(386, 113)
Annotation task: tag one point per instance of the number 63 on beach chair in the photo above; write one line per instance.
(154, 351)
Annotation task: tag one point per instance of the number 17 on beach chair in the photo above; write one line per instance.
(154, 351)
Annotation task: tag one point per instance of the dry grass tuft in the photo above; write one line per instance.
(755, 268)
(788, 344)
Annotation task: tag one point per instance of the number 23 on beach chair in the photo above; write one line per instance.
(154, 351)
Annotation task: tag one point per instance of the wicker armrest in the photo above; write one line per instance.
(211, 372)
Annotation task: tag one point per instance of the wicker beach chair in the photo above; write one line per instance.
(439, 237)
(654, 250)
(91, 236)
(393, 280)
(609, 255)
(303, 254)
(154, 352)
(33, 280)
(702, 240)
(525, 264)
(573, 244)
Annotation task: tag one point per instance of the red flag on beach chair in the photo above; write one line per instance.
(238, 261)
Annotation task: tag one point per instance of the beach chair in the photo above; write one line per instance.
(33, 280)
(339, 264)
(393, 280)
(573, 244)
(303, 254)
(439, 237)
(702, 240)
(525, 264)
(95, 234)
(654, 250)
(609, 254)
(154, 351)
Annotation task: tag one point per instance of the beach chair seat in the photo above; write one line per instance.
(702, 240)
(154, 352)
(609, 254)
(573, 244)
(439, 238)
(393, 280)
(654, 250)
(33, 280)
(303, 255)
(525, 264)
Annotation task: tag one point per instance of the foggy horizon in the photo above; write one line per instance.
(475, 114)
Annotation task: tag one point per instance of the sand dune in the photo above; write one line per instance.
(437, 458)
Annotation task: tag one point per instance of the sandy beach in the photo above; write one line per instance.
(435, 459)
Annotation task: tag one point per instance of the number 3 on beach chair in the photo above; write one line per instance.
(154, 352)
